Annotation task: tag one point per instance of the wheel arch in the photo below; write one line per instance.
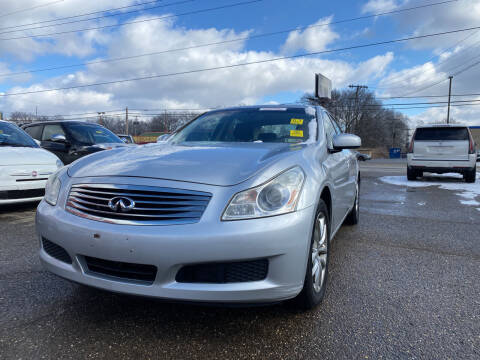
(326, 196)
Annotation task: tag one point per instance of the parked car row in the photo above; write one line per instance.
(30, 155)
(258, 192)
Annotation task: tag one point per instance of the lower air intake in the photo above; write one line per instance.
(121, 270)
(223, 273)
(56, 251)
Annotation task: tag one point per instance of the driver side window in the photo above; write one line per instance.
(50, 130)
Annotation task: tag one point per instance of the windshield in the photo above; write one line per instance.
(11, 135)
(442, 133)
(87, 134)
(269, 125)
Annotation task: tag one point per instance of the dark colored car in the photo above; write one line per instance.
(70, 140)
(127, 139)
(362, 156)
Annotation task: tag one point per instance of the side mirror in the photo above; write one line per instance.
(346, 141)
(58, 138)
(163, 138)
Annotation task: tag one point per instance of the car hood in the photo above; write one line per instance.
(10, 155)
(214, 164)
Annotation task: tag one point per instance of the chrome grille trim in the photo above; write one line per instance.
(153, 205)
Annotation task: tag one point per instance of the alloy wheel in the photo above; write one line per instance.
(319, 252)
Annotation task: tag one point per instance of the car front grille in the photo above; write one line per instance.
(222, 273)
(121, 270)
(137, 205)
(56, 251)
(21, 194)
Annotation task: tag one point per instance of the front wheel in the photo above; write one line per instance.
(317, 265)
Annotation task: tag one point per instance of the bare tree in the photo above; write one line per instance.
(362, 114)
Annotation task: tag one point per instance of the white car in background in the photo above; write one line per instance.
(24, 166)
(442, 149)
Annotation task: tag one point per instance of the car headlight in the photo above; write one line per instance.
(52, 189)
(59, 164)
(278, 196)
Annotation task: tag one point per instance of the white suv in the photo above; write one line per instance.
(442, 149)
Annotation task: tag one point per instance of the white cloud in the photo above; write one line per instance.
(467, 115)
(312, 39)
(377, 6)
(240, 85)
(79, 44)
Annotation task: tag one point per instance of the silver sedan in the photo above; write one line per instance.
(238, 206)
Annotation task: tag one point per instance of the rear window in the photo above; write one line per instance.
(442, 133)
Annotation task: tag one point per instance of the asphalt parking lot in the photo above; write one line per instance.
(404, 283)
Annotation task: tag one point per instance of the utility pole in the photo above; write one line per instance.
(126, 120)
(357, 87)
(449, 95)
(165, 122)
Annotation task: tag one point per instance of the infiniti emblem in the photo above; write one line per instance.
(121, 204)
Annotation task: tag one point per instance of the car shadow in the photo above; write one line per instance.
(11, 208)
(441, 178)
(172, 322)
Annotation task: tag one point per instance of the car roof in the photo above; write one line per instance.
(270, 106)
(441, 125)
(60, 122)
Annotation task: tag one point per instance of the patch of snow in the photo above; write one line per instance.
(462, 189)
(470, 202)
(455, 175)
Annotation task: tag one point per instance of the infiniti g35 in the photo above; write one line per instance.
(239, 206)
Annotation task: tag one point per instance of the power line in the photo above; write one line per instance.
(442, 81)
(423, 96)
(80, 15)
(32, 8)
(136, 21)
(398, 78)
(418, 103)
(214, 43)
(240, 64)
(99, 17)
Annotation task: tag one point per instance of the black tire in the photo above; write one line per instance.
(354, 214)
(411, 174)
(312, 294)
(470, 175)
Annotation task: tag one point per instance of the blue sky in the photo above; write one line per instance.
(389, 70)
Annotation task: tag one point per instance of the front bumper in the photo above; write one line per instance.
(283, 240)
(441, 166)
(22, 192)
